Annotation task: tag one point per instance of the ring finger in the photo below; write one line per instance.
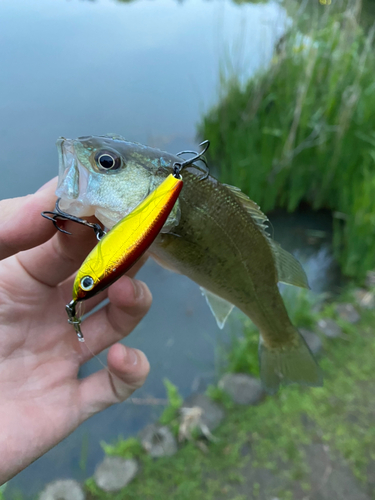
(129, 302)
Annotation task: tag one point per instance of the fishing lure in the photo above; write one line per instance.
(120, 248)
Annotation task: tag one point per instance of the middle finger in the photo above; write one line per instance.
(129, 302)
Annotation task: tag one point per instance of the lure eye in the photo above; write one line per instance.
(87, 283)
(107, 160)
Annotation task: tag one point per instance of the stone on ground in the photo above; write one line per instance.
(212, 415)
(329, 327)
(158, 441)
(312, 340)
(114, 473)
(364, 298)
(370, 279)
(243, 389)
(63, 489)
(348, 313)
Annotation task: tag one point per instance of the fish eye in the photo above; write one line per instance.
(107, 160)
(87, 283)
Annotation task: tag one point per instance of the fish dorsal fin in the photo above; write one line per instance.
(252, 208)
(113, 136)
(220, 308)
(289, 270)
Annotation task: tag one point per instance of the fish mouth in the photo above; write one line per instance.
(72, 181)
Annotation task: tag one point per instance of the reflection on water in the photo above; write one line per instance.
(308, 236)
(147, 71)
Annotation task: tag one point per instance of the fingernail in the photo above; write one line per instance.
(131, 357)
(47, 185)
(138, 288)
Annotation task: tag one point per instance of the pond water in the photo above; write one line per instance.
(145, 70)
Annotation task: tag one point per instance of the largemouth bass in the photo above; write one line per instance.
(215, 235)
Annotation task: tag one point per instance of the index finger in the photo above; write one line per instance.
(58, 258)
(21, 226)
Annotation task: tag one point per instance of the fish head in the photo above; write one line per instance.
(108, 177)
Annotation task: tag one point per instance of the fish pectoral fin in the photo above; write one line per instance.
(288, 365)
(220, 308)
(289, 270)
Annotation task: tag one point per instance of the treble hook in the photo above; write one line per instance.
(177, 167)
(202, 159)
(73, 320)
(58, 214)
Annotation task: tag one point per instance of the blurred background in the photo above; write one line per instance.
(285, 93)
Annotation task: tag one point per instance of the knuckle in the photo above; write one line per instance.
(146, 297)
(140, 301)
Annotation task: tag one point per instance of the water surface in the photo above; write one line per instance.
(145, 70)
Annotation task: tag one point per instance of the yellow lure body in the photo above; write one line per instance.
(127, 241)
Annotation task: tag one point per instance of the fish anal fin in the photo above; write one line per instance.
(220, 308)
(289, 270)
(284, 365)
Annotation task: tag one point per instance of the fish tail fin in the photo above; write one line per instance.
(293, 363)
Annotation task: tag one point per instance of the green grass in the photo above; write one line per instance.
(276, 434)
(175, 401)
(303, 130)
(126, 448)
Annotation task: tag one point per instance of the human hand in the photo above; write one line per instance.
(41, 399)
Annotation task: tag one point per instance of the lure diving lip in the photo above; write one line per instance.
(120, 248)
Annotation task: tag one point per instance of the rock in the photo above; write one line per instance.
(114, 473)
(312, 340)
(330, 328)
(243, 389)
(213, 414)
(364, 298)
(158, 441)
(63, 489)
(370, 279)
(348, 313)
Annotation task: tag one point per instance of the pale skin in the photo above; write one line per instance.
(41, 399)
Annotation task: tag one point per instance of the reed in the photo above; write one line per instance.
(304, 129)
